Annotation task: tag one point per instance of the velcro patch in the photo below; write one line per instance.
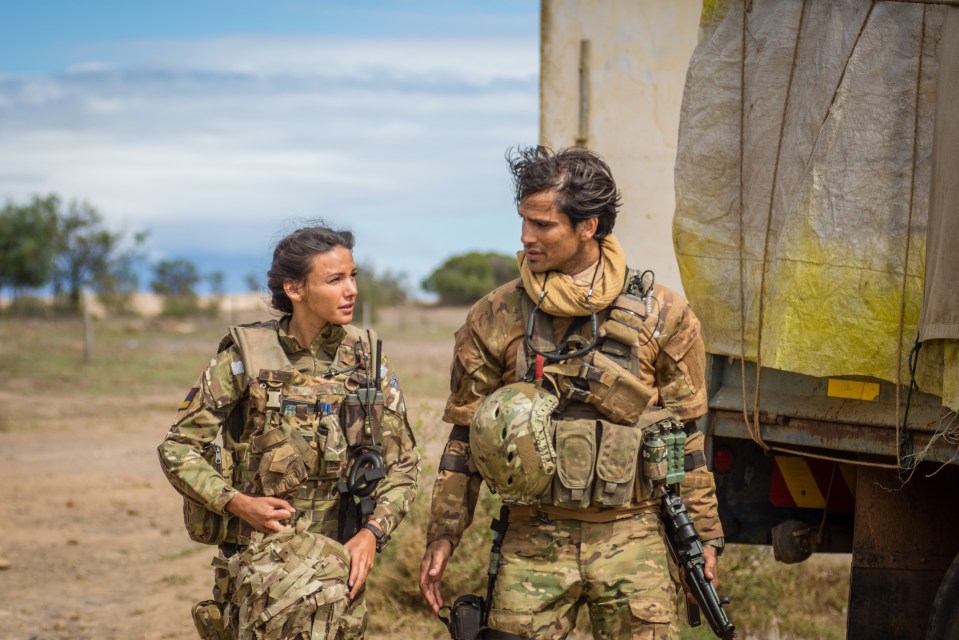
(237, 367)
(189, 398)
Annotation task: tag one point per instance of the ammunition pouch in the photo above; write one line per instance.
(596, 464)
(286, 459)
(608, 465)
(202, 525)
(616, 464)
(208, 618)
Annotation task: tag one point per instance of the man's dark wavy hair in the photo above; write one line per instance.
(582, 181)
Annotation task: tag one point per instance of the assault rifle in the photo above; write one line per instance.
(687, 551)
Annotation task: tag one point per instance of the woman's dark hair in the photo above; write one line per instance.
(582, 181)
(293, 259)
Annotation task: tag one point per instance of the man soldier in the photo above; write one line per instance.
(551, 375)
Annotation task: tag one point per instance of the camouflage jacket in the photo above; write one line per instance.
(225, 385)
(490, 352)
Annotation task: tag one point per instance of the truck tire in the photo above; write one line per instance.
(944, 620)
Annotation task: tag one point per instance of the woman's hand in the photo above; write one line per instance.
(362, 550)
(265, 514)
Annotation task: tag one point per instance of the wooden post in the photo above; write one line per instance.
(87, 326)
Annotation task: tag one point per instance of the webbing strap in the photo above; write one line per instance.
(455, 463)
(694, 460)
(460, 433)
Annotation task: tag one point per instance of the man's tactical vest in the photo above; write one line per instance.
(605, 409)
(294, 436)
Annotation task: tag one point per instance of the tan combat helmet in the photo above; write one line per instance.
(511, 441)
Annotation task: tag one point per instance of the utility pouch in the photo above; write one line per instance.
(575, 463)
(362, 415)
(616, 465)
(286, 459)
(333, 452)
(466, 617)
(615, 391)
(208, 618)
(202, 525)
(631, 313)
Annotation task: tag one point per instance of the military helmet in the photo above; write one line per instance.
(511, 442)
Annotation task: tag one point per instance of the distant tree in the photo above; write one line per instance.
(466, 278)
(87, 253)
(379, 290)
(253, 283)
(176, 281)
(215, 281)
(28, 243)
(116, 287)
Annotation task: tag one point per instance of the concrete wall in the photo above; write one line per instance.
(638, 54)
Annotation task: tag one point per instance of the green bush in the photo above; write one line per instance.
(466, 278)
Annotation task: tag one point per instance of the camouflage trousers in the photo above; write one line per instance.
(620, 570)
(289, 585)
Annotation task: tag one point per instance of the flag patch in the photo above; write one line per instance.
(189, 398)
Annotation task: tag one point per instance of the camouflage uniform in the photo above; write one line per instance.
(323, 427)
(555, 558)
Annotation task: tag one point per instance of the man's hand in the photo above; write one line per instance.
(431, 572)
(711, 570)
(264, 514)
(362, 550)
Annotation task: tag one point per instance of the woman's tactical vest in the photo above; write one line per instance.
(295, 436)
(606, 411)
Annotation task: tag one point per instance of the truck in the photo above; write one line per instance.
(815, 229)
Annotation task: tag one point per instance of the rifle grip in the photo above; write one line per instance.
(693, 618)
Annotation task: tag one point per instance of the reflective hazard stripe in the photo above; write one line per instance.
(805, 483)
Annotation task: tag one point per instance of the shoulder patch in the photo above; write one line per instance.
(237, 367)
(188, 399)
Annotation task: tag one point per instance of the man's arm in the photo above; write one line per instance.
(475, 372)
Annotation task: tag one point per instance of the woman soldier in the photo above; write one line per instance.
(317, 466)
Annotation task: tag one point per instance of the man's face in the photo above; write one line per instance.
(551, 241)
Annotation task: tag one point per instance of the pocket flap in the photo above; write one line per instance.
(575, 452)
(618, 453)
(651, 611)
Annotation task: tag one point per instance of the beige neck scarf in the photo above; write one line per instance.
(565, 296)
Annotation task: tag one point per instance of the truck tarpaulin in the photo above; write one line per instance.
(803, 242)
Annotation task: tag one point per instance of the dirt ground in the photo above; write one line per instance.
(90, 528)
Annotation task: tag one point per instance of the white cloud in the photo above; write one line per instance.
(211, 144)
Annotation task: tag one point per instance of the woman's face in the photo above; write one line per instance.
(328, 293)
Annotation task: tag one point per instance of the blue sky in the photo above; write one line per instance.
(218, 125)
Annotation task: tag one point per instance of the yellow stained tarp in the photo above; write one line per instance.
(803, 183)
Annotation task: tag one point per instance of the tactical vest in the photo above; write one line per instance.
(600, 424)
(295, 435)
